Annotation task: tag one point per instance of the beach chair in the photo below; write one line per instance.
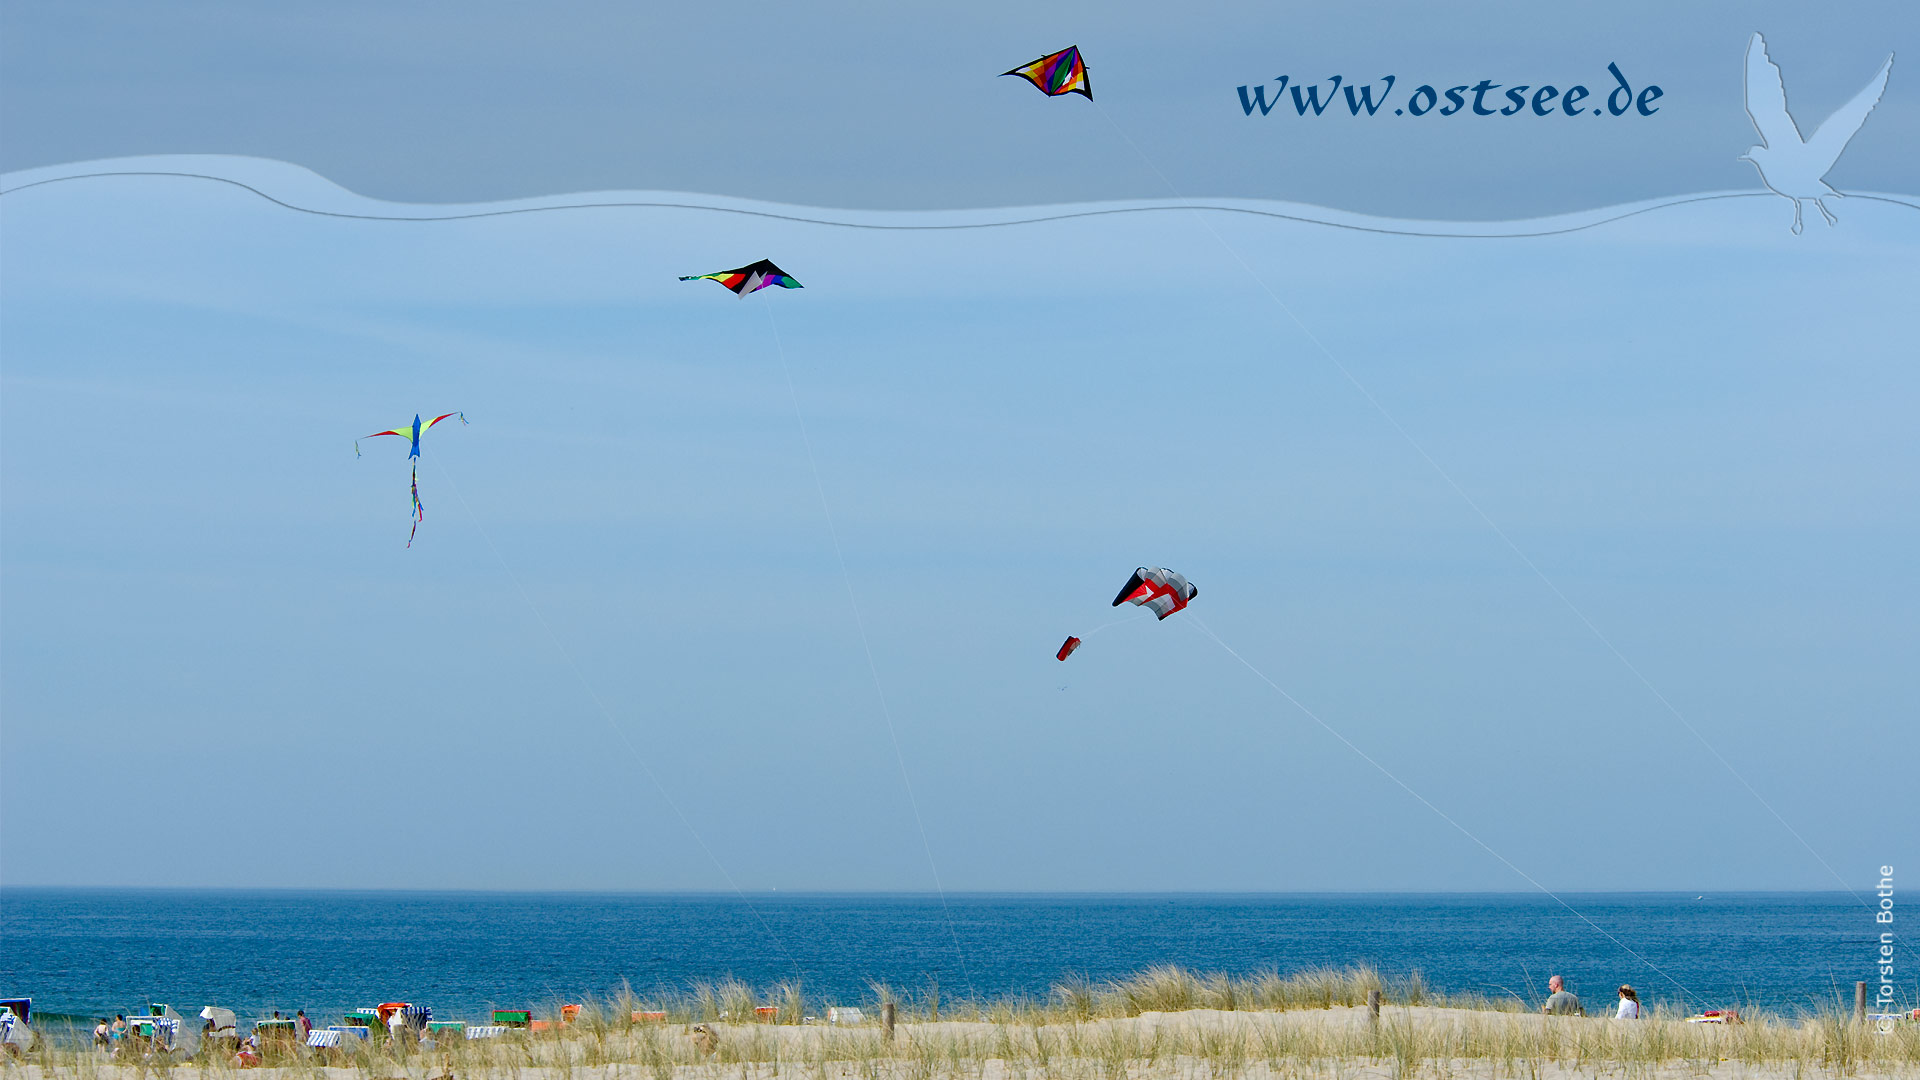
(513, 1018)
(487, 1031)
(224, 1021)
(16, 1028)
(15, 1035)
(165, 1033)
(569, 1013)
(644, 1016)
(279, 1039)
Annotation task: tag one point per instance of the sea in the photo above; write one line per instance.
(82, 954)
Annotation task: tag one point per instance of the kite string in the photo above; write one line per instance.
(1605, 641)
(860, 625)
(1114, 622)
(1375, 402)
(625, 739)
(1201, 626)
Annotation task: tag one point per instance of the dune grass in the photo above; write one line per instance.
(1163, 1023)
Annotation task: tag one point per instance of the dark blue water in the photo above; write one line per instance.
(92, 952)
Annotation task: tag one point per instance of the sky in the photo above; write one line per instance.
(852, 104)
(1577, 561)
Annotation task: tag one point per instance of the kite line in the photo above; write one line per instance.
(625, 739)
(1201, 625)
(873, 669)
(1199, 209)
(1579, 614)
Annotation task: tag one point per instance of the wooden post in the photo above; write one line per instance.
(886, 1018)
(1373, 1006)
(1860, 1002)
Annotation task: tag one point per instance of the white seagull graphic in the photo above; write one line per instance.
(1790, 166)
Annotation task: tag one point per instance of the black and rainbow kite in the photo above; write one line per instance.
(1057, 73)
(750, 278)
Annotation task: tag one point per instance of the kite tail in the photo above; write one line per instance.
(419, 511)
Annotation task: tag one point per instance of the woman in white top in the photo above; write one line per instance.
(1629, 1005)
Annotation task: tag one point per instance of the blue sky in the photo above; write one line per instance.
(1578, 537)
(1697, 426)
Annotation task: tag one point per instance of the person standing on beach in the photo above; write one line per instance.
(1629, 1005)
(305, 1025)
(1560, 1000)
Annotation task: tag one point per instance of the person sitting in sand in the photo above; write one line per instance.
(1629, 1005)
(1560, 1000)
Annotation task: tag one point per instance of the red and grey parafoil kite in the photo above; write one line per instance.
(1157, 588)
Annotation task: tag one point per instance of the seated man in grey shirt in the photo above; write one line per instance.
(1561, 1001)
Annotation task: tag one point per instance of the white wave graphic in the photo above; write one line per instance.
(300, 190)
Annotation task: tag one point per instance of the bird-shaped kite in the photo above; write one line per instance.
(1057, 73)
(412, 434)
(750, 278)
(1791, 166)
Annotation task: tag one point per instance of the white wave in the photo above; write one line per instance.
(302, 190)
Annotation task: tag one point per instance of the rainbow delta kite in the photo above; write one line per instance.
(413, 454)
(750, 278)
(1057, 73)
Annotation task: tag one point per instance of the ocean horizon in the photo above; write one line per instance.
(86, 952)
